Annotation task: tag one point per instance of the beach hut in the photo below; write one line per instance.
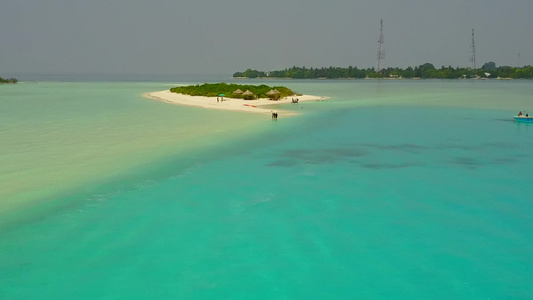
(238, 92)
(248, 95)
(273, 94)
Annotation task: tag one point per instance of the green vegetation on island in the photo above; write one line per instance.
(425, 71)
(8, 80)
(234, 90)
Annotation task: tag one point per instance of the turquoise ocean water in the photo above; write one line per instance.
(388, 190)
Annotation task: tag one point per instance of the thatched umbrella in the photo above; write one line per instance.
(248, 95)
(238, 92)
(273, 94)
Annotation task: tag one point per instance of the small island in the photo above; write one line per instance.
(8, 80)
(233, 97)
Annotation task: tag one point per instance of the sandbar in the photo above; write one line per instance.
(252, 106)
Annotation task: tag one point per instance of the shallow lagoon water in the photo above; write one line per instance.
(390, 189)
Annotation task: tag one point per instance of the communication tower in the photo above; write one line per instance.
(473, 52)
(381, 49)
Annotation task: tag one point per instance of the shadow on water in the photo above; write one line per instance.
(401, 156)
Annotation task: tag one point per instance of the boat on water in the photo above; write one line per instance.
(522, 118)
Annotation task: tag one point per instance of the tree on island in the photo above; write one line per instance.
(490, 66)
(215, 89)
(8, 80)
(250, 74)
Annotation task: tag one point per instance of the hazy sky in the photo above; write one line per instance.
(221, 37)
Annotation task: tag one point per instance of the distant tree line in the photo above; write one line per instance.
(8, 80)
(427, 70)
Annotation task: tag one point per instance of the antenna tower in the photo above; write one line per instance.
(473, 52)
(381, 49)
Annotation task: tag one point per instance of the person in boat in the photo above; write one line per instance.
(527, 115)
(520, 113)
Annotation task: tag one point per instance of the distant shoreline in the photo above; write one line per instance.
(251, 106)
(424, 71)
(372, 78)
(8, 80)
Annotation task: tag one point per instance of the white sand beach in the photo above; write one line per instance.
(253, 106)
